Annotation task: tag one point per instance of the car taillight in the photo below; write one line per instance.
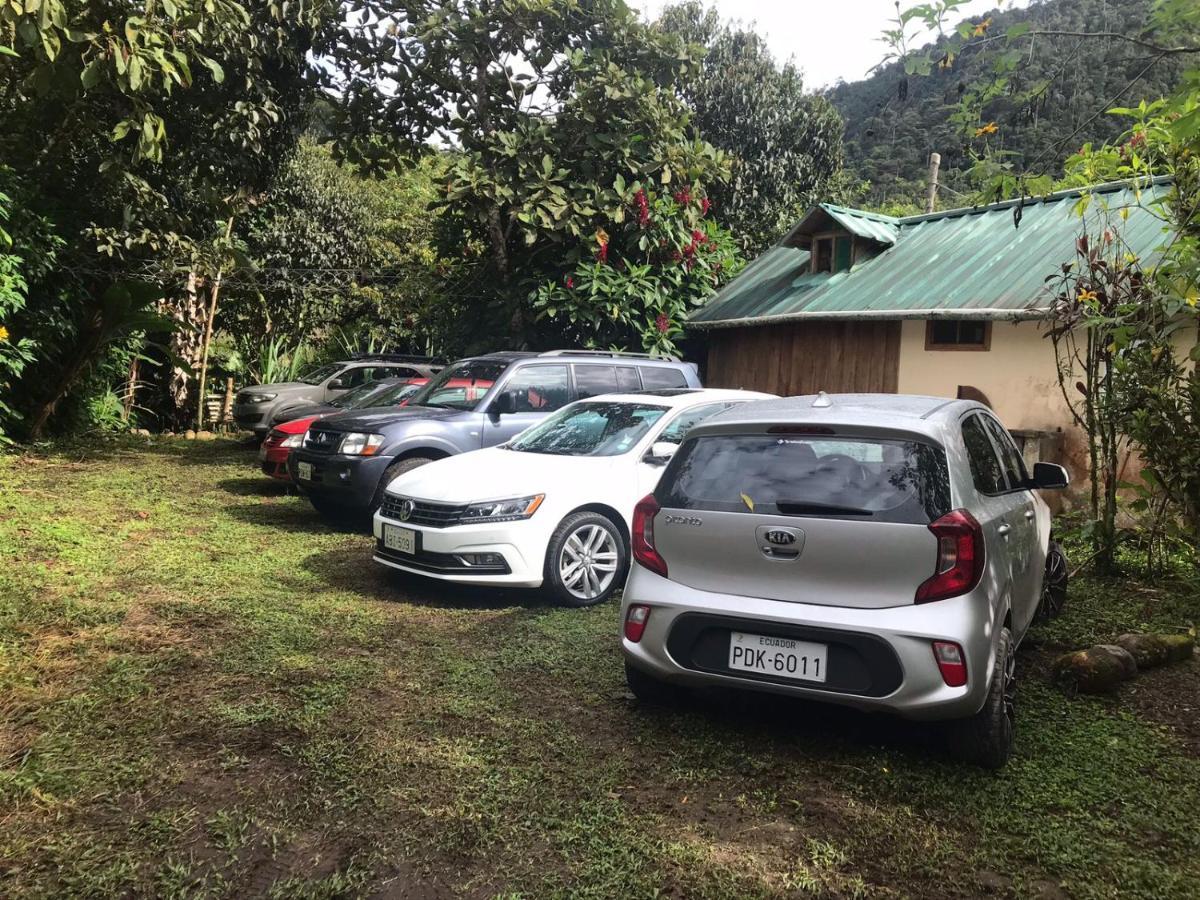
(635, 622)
(951, 663)
(644, 550)
(959, 559)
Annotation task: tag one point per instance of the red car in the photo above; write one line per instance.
(285, 437)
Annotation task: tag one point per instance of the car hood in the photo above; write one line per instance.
(281, 387)
(377, 417)
(303, 409)
(495, 474)
(296, 426)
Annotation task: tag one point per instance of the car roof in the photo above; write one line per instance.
(576, 357)
(674, 399)
(903, 412)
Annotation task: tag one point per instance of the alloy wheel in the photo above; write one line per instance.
(1054, 584)
(588, 562)
(1010, 685)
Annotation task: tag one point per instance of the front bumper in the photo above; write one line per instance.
(253, 416)
(521, 544)
(347, 481)
(879, 659)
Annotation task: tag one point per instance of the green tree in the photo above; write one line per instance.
(784, 144)
(550, 105)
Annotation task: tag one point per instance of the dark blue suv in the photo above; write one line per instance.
(348, 460)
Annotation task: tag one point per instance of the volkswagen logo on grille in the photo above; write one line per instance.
(406, 510)
(780, 538)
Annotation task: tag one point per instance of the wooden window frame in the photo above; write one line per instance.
(832, 237)
(930, 344)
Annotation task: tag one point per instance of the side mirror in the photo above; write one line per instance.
(505, 404)
(660, 453)
(1050, 476)
(338, 384)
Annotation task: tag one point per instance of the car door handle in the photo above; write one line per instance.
(1004, 529)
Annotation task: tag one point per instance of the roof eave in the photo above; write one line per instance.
(998, 315)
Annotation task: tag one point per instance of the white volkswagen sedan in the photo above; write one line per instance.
(551, 507)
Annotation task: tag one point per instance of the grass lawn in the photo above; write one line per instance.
(204, 691)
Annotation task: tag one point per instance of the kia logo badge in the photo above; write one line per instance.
(780, 537)
(406, 510)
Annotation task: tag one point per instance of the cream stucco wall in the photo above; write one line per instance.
(1017, 373)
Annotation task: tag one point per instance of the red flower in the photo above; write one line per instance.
(643, 206)
(683, 196)
(705, 206)
(663, 323)
(699, 237)
(602, 253)
(570, 282)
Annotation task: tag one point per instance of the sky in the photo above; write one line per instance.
(829, 39)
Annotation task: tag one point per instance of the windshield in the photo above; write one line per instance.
(395, 394)
(360, 395)
(460, 387)
(590, 429)
(876, 479)
(317, 376)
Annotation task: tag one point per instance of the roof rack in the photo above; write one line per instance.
(612, 353)
(400, 357)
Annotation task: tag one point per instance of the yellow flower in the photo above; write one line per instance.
(3, 333)
(1085, 295)
(601, 236)
(989, 128)
(981, 29)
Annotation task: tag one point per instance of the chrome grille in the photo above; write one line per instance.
(322, 441)
(431, 515)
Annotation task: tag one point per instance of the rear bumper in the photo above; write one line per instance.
(878, 659)
(347, 481)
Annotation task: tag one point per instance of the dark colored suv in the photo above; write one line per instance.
(347, 460)
(256, 405)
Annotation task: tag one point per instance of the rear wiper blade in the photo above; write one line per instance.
(800, 507)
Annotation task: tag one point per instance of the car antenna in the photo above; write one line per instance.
(822, 401)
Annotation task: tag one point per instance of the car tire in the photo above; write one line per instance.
(391, 473)
(586, 560)
(1054, 582)
(986, 738)
(650, 690)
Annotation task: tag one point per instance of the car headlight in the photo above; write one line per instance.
(503, 510)
(357, 443)
(260, 398)
(294, 440)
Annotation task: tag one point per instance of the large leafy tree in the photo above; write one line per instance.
(555, 107)
(784, 143)
(137, 130)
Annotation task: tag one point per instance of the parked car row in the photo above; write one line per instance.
(882, 552)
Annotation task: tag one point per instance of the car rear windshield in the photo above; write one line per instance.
(873, 479)
(460, 387)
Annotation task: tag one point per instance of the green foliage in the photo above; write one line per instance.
(15, 352)
(552, 106)
(784, 144)
(1044, 91)
(637, 285)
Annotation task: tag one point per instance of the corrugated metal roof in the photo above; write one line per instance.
(871, 226)
(960, 263)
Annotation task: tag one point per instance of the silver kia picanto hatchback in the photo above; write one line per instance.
(880, 551)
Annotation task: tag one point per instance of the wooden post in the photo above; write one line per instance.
(935, 163)
(227, 403)
(213, 295)
(130, 389)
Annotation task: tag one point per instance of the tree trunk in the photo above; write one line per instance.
(131, 383)
(227, 402)
(188, 311)
(214, 295)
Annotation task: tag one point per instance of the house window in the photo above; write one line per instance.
(958, 334)
(833, 253)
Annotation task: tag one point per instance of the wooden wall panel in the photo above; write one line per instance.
(791, 358)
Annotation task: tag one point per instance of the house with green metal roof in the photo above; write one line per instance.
(949, 304)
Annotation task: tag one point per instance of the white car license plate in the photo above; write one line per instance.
(304, 471)
(403, 540)
(779, 656)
